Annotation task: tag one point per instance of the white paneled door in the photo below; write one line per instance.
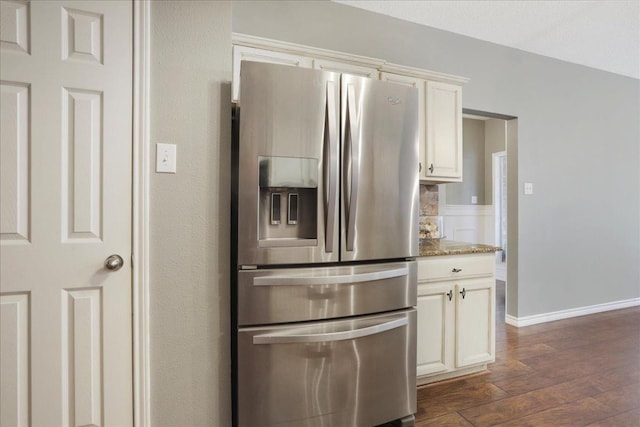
(65, 194)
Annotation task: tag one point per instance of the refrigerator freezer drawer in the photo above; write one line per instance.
(298, 294)
(356, 372)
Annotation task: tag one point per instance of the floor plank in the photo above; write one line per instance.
(578, 371)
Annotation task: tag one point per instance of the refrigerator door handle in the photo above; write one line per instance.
(354, 164)
(329, 280)
(333, 147)
(284, 338)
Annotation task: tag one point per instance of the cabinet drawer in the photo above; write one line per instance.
(451, 267)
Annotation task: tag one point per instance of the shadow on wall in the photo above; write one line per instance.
(220, 274)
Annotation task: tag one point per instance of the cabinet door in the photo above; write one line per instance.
(435, 328)
(420, 84)
(343, 67)
(443, 132)
(475, 322)
(245, 53)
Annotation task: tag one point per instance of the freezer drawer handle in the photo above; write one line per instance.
(282, 338)
(329, 280)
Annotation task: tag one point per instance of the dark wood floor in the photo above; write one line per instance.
(574, 372)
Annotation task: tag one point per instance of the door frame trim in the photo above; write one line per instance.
(140, 211)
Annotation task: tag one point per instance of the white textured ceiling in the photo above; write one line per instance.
(598, 34)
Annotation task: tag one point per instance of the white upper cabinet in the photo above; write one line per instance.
(443, 162)
(246, 53)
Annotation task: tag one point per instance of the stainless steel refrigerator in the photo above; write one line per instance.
(325, 231)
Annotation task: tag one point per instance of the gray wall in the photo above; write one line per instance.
(473, 165)
(189, 225)
(495, 137)
(577, 141)
(578, 235)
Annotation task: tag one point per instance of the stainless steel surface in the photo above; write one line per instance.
(337, 154)
(113, 262)
(284, 114)
(298, 336)
(357, 382)
(297, 294)
(289, 172)
(380, 199)
(275, 226)
(380, 149)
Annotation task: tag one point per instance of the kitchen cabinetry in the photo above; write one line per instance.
(261, 50)
(440, 121)
(443, 160)
(440, 96)
(456, 315)
(343, 67)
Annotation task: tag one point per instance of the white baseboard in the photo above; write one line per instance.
(572, 312)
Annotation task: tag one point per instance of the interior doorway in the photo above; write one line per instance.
(505, 207)
(499, 162)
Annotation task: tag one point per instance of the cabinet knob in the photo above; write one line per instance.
(450, 294)
(431, 168)
(456, 270)
(463, 292)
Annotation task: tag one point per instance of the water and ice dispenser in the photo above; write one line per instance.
(288, 201)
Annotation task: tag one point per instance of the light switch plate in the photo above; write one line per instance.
(166, 158)
(474, 200)
(528, 188)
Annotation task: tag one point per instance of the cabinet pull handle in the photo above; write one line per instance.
(450, 294)
(463, 292)
(431, 168)
(419, 166)
(456, 270)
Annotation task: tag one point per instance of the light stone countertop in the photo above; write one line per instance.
(449, 247)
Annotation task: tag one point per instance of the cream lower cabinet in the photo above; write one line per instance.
(456, 316)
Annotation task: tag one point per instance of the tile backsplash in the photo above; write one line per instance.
(428, 200)
(430, 222)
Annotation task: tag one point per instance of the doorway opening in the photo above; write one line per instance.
(502, 183)
(499, 162)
